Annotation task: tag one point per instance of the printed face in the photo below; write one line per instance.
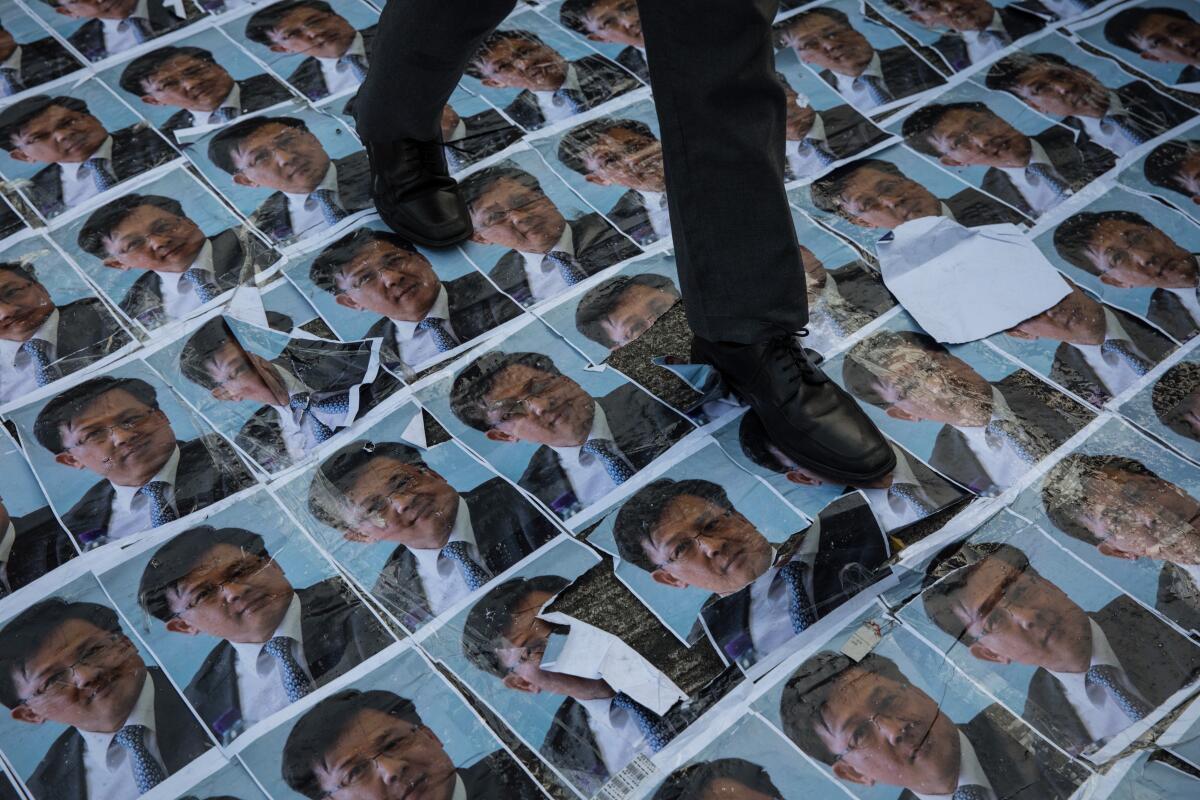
(152, 238)
(1136, 516)
(887, 732)
(933, 386)
(118, 437)
(637, 309)
(1168, 40)
(697, 543)
(1132, 255)
(830, 44)
(522, 63)
(625, 158)
(528, 405)
(380, 757)
(7, 44)
(281, 157)
(957, 15)
(730, 789)
(58, 135)
(979, 138)
(524, 646)
(1184, 418)
(800, 116)
(409, 504)
(24, 306)
(1187, 178)
(312, 32)
(615, 22)
(82, 676)
(1062, 91)
(240, 375)
(387, 280)
(450, 120)
(873, 198)
(1077, 319)
(231, 594)
(1017, 615)
(187, 82)
(510, 214)
(95, 9)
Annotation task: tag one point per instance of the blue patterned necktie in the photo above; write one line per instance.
(103, 179)
(972, 791)
(813, 146)
(565, 98)
(333, 405)
(908, 493)
(999, 430)
(1044, 173)
(10, 82)
(295, 681)
(441, 337)
(330, 210)
(356, 64)
(996, 40)
(1108, 678)
(873, 87)
(161, 511)
(38, 351)
(222, 115)
(800, 608)
(650, 724)
(1127, 130)
(1123, 350)
(616, 467)
(474, 574)
(566, 265)
(141, 28)
(147, 772)
(198, 279)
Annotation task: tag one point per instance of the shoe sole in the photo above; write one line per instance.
(419, 238)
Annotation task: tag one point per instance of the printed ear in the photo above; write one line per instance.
(178, 625)
(242, 180)
(24, 713)
(346, 301)
(895, 412)
(68, 460)
(950, 162)
(849, 774)
(497, 435)
(664, 578)
(1107, 549)
(514, 681)
(987, 654)
(802, 479)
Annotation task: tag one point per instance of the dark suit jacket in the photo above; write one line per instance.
(89, 38)
(41, 545)
(1168, 313)
(1079, 163)
(60, 775)
(861, 288)
(599, 80)
(597, 245)
(973, 208)
(87, 332)
(44, 60)
(571, 747)
(136, 149)
(309, 79)
(208, 471)
(1014, 772)
(327, 368)
(1018, 22)
(339, 634)
(484, 133)
(847, 132)
(632, 59)
(932, 487)
(254, 93)
(497, 776)
(354, 190)
(10, 221)
(475, 308)
(630, 215)
(851, 555)
(642, 427)
(1050, 418)
(1148, 111)
(904, 72)
(1071, 370)
(1157, 660)
(507, 528)
(1189, 74)
(1178, 597)
(236, 255)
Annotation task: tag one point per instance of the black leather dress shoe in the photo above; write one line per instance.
(414, 193)
(807, 416)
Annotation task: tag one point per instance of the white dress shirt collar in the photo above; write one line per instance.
(548, 282)
(545, 99)
(47, 332)
(460, 789)
(442, 578)
(979, 46)
(859, 95)
(461, 531)
(18, 373)
(1104, 133)
(1003, 464)
(78, 182)
(179, 297)
(99, 748)
(6, 546)
(13, 62)
(1189, 300)
(970, 771)
(406, 329)
(616, 732)
(290, 626)
(232, 100)
(306, 214)
(125, 495)
(140, 11)
(585, 472)
(1096, 709)
(339, 77)
(599, 430)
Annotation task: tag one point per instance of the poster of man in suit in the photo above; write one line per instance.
(867, 64)
(966, 33)
(1170, 407)
(1101, 662)
(472, 130)
(1002, 147)
(28, 56)
(372, 283)
(1133, 252)
(975, 417)
(538, 75)
(100, 30)
(614, 27)
(533, 237)
(1090, 94)
(165, 252)
(204, 79)
(51, 324)
(32, 541)
(1160, 39)
(107, 145)
(1172, 171)
(55, 725)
